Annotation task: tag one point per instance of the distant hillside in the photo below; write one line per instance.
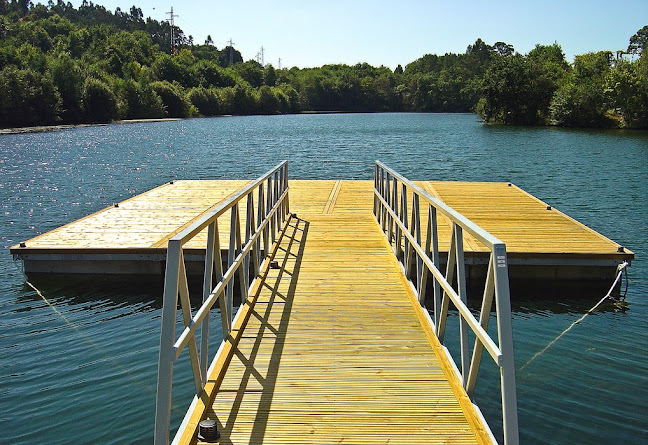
(60, 64)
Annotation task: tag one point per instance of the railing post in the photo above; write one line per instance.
(445, 301)
(383, 210)
(410, 249)
(183, 291)
(505, 334)
(416, 223)
(394, 206)
(231, 254)
(218, 276)
(404, 217)
(262, 215)
(286, 185)
(243, 275)
(424, 272)
(277, 195)
(461, 288)
(387, 221)
(375, 198)
(270, 202)
(207, 288)
(252, 229)
(167, 339)
(390, 219)
(484, 317)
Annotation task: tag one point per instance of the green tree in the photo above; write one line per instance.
(173, 98)
(503, 49)
(141, 100)
(639, 41)
(627, 85)
(250, 71)
(68, 79)
(210, 74)
(581, 100)
(99, 101)
(207, 101)
(170, 69)
(267, 101)
(27, 98)
(269, 76)
(509, 96)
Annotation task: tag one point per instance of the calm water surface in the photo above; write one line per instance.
(80, 365)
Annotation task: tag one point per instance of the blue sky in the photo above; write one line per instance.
(314, 33)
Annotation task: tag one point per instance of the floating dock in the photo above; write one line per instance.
(334, 341)
(131, 237)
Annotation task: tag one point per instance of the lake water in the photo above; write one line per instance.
(82, 365)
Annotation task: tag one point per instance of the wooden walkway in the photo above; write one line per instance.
(334, 348)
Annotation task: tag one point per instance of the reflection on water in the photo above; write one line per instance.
(87, 370)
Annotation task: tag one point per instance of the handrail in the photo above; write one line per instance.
(244, 256)
(402, 226)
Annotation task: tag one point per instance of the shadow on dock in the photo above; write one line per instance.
(260, 370)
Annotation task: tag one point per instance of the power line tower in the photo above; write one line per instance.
(279, 64)
(172, 16)
(231, 45)
(260, 57)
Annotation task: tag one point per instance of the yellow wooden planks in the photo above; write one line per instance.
(333, 351)
(145, 222)
(522, 221)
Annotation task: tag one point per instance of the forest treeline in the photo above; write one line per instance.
(63, 65)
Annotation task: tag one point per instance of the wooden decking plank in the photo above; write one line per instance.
(144, 223)
(332, 351)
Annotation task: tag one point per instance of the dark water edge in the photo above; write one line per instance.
(86, 359)
(48, 128)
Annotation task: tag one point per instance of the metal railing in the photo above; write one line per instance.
(392, 211)
(272, 208)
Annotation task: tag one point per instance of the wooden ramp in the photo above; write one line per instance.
(334, 348)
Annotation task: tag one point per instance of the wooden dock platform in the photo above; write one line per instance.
(334, 341)
(542, 242)
(334, 348)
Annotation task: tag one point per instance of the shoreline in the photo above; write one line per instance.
(60, 127)
(47, 128)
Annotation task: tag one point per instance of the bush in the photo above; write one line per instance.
(579, 106)
(267, 101)
(27, 98)
(99, 101)
(238, 100)
(67, 78)
(173, 99)
(207, 101)
(143, 102)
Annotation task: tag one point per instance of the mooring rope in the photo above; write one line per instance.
(620, 269)
(85, 337)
